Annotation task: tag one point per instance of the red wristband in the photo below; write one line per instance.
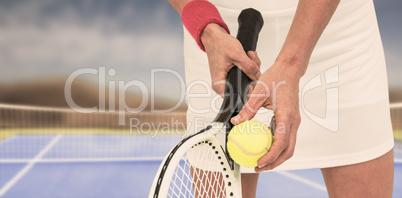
(197, 14)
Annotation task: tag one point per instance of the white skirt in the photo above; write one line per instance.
(344, 102)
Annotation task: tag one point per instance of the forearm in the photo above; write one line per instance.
(178, 4)
(311, 18)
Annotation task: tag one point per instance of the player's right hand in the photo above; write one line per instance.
(225, 51)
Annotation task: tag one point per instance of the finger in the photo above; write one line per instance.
(219, 87)
(281, 142)
(219, 80)
(256, 54)
(248, 66)
(254, 57)
(256, 100)
(263, 93)
(272, 125)
(286, 154)
(247, 113)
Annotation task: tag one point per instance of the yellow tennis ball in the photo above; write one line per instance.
(248, 142)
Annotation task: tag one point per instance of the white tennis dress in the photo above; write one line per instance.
(344, 102)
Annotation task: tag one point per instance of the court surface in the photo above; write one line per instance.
(120, 166)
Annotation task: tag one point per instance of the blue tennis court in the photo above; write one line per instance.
(116, 165)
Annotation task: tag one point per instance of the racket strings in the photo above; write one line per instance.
(199, 176)
(180, 185)
(211, 178)
(208, 183)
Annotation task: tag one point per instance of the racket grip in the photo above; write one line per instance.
(250, 24)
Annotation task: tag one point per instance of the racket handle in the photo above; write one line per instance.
(250, 24)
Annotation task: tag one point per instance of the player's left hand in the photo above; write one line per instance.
(277, 89)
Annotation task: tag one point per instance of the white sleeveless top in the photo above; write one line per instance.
(344, 102)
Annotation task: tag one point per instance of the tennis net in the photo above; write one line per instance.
(396, 117)
(58, 135)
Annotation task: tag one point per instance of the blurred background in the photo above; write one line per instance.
(43, 42)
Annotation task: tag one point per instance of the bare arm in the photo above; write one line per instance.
(178, 4)
(311, 18)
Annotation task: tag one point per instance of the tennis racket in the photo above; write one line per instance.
(198, 166)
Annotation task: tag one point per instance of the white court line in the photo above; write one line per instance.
(68, 160)
(23, 171)
(8, 139)
(304, 181)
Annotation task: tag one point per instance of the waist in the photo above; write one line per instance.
(261, 5)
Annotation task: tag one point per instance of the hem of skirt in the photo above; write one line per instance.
(327, 162)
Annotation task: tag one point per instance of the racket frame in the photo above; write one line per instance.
(230, 172)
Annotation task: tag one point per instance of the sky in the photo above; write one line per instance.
(42, 38)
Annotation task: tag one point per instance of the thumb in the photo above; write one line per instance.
(256, 100)
(247, 113)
